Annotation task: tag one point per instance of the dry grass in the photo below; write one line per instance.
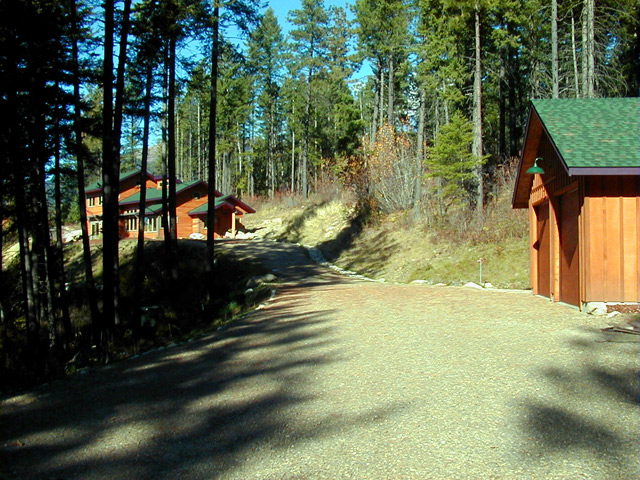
(397, 248)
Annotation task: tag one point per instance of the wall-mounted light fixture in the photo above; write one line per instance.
(536, 168)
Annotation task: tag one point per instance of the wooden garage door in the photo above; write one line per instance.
(543, 243)
(569, 258)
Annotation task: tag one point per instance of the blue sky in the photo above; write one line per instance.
(283, 7)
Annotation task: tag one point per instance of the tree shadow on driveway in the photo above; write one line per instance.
(587, 412)
(195, 410)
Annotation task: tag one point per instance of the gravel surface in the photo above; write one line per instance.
(340, 378)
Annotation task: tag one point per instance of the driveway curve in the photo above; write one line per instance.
(339, 378)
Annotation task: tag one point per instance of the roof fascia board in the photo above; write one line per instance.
(514, 200)
(553, 144)
(604, 171)
(521, 161)
(121, 179)
(242, 205)
(148, 201)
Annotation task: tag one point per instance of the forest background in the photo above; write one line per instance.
(195, 89)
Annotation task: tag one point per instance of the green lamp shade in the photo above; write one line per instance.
(535, 168)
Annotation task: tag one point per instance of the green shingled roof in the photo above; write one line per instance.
(123, 175)
(204, 208)
(594, 132)
(155, 194)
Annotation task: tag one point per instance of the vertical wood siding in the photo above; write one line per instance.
(186, 203)
(612, 238)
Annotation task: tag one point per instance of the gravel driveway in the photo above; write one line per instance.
(339, 378)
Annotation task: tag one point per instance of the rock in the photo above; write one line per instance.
(595, 308)
(421, 281)
(249, 295)
(72, 236)
(473, 285)
(261, 279)
(245, 235)
(488, 285)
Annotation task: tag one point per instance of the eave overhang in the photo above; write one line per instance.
(534, 132)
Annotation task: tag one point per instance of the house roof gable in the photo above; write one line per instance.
(154, 195)
(97, 186)
(223, 202)
(593, 132)
(592, 136)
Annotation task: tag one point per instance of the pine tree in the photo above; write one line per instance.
(266, 54)
(452, 160)
(309, 47)
(243, 13)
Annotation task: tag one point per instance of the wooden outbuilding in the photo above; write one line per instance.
(229, 214)
(191, 209)
(584, 209)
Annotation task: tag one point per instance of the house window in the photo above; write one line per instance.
(93, 201)
(96, 229)
(131, 219)
(132, 224)
(151, 224)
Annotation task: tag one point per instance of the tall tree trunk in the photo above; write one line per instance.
(304, 169)
(417, 191)
(514, 104)
(41, 240)
(165, 164)
(381, 101)
(116, 144)
(139, 267)
(199, 145)
(26, 271)
(576, 77)
(250, 162)
(555, 64)
(16, 175)
(591, 48)
(502, 109)
(293, 159)
(270, 142)
(59, 250)
(477, 146)
(391, 98)
(4, 338)
(171, 160)
(92, 298)
(588, 49)
(212, 152)
(376, 109)
(48, 276)
(110, 186)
